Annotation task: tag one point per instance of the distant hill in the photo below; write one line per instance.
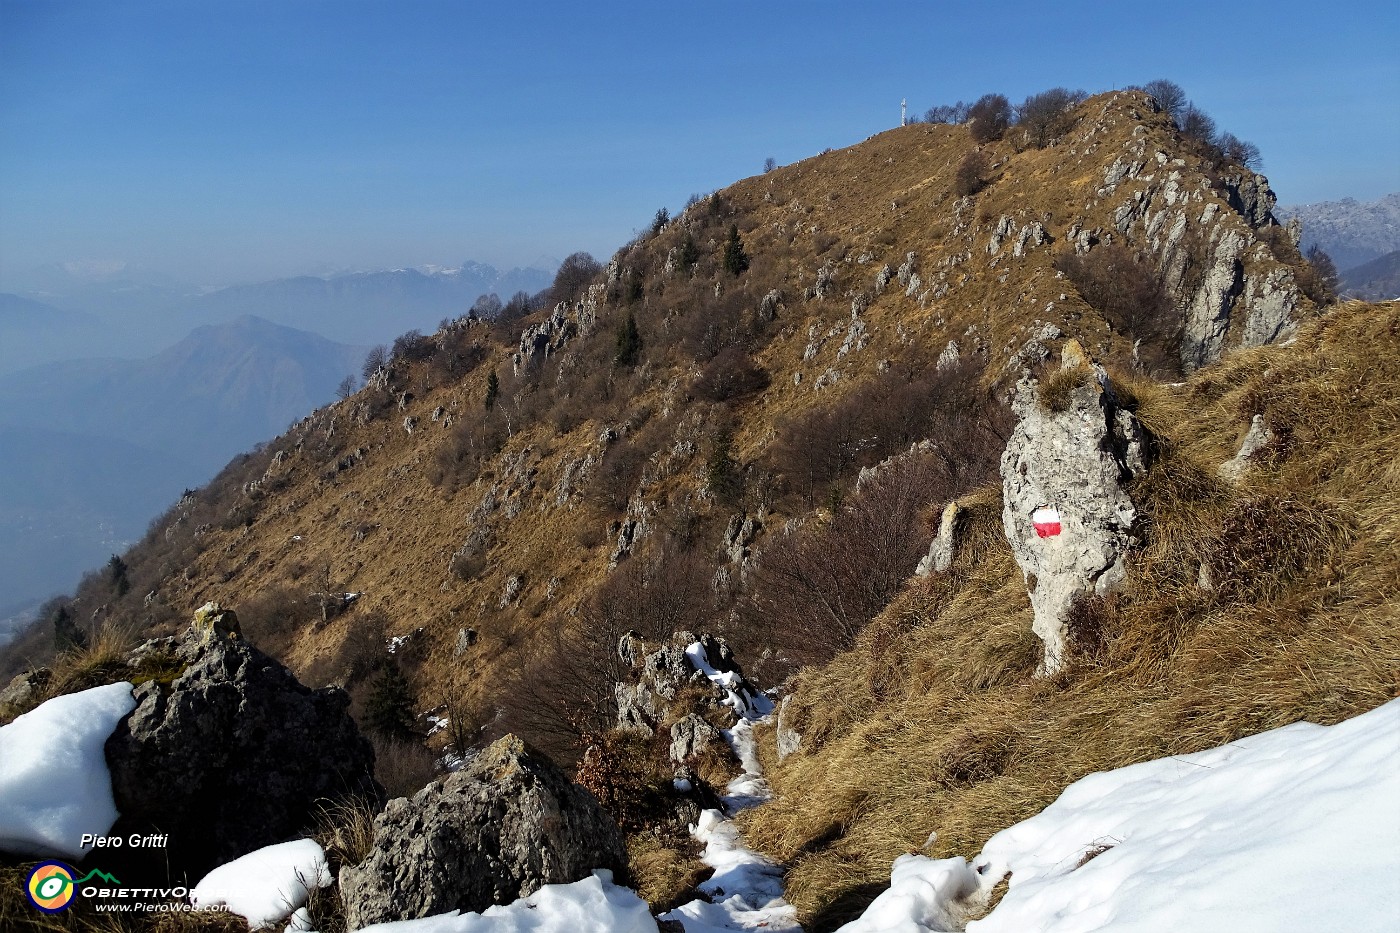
(1377, 280)
(56, 314)
(33, 330)
(91, 450)
(1352, 232)
(73, 499)
(368, 307)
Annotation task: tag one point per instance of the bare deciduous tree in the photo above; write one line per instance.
(1169, 96)
(990, 116)
(573, 276)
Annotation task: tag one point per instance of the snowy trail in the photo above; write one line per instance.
(746, 890)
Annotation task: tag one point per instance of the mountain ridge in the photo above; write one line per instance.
(753, 419)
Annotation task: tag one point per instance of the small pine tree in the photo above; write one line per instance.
(735, 259)
(66, 634)
(493, 390)
(629, 342)
(688, 255)
(659, 222)
(389, 706)
(117, 576)
(722, 475)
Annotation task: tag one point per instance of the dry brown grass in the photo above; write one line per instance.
(855, 209)
(664, 872)
(1304, 623)
(962, 639)
(101, 662)
(345, 830)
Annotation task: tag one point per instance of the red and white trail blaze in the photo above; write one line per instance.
(1046, 520)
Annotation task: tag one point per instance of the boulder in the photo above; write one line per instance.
(25, 687)
(1257, 437)
(214, 622)
(692, 736)
(1065, 505)
(234, 754)
(940, 551)
(788, 738)
(499, 829)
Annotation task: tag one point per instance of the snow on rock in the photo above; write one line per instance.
(1297, 828)
(54, 783)
(268, 885)
(593, 905)
(741, 697)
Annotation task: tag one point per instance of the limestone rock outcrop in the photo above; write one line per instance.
(564, 323)
(234, 754)
(1066, 510)
(787, 737)
(1257, 437)
(499, 829)
(940, 551)
(661, 671)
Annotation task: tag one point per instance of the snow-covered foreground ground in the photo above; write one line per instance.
(54, 782)
(593, 905)
(1294, 829)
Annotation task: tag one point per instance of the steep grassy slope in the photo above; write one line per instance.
(865, 263)
(609, 483)
(1246, 608)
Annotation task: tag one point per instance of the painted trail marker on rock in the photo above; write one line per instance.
(1046, 521)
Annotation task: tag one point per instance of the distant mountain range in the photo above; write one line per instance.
(1352, 232)
(370, 307)
(92, 450)
(67, 313)
(1377, 280)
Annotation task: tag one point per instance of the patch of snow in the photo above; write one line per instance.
(267, 886)
(54, 782)
(396, 642)
(740, 696)
(924, 895)
(750, 788)
(593, 905)
(1290, 829)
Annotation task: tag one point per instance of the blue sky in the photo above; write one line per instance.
(224, 142)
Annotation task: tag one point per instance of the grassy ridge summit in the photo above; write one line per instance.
(748, 421)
